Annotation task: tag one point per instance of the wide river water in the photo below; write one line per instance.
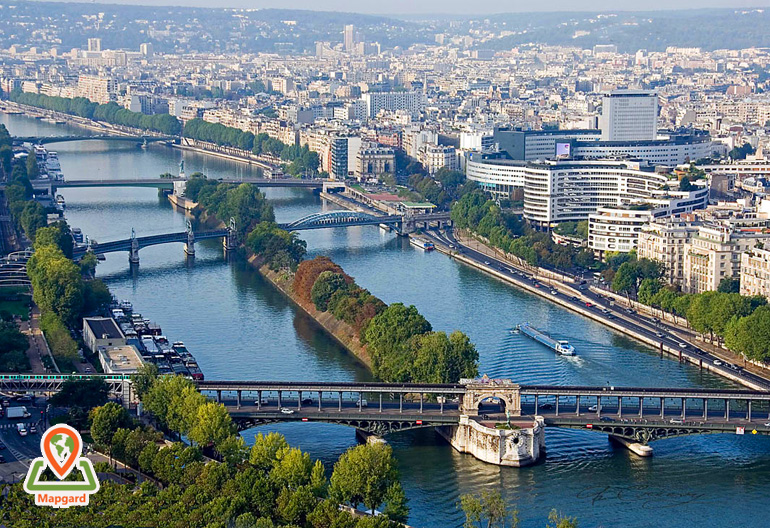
(239, 327)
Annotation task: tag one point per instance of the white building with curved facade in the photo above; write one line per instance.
(561, 191)
(618, 229)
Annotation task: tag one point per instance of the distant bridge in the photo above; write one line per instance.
(314, 221)
(168, 183)
(41, 140)
(134, 244)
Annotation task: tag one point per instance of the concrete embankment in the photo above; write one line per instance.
(223, 155)
(591, 314)
(340, 331)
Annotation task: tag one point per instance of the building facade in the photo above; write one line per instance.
(97, 89)
(375, 161)
(629, 115)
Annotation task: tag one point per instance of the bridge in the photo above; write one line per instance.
(638, 414)
(314, 221)
(168, 183)
(42, 140)
(134, 244)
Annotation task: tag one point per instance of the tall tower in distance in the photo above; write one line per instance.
(94, 44)
(350, 38)
(629, 115)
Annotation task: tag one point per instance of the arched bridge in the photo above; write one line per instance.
(339, 219)
(41, 140)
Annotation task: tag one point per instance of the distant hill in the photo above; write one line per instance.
(182, 29)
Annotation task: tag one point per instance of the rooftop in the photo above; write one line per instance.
(123, 359)
(103, 327)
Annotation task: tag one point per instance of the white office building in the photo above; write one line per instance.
(411, 102)
(629, 115)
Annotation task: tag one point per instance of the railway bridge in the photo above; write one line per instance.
(494, 419)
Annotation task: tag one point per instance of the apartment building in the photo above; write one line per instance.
(755, 272)
(666, 240)
(435, 157)
(96, 88)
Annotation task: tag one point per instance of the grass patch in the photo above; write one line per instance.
(16, 307)
(506, 427)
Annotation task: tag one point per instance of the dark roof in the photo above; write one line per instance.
(103, 326)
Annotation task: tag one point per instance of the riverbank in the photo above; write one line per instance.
(213, 150)
(578, 301)
(344, 334)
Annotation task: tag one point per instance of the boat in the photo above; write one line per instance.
(422, 244)
(560, 346)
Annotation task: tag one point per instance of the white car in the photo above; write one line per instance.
(717, 362)
(676, 421)
(285, 410)
(767, 424)
(593, 408)
(682, 345)
(362, 403)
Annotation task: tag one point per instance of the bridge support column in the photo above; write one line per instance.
(662, 408)
(748, 414)
(189, 247)
(727, 410)
(684, 409)
(380, 402)
(133, 253)
(400, 403)
(641, 406)
(705, 410)
(279, 399)
(620, 407)
(219, 396)
(259, 400)
(299, 401)
(557, 406)
(577, 405)
(339, 402)
(238, 398)
(320, 397)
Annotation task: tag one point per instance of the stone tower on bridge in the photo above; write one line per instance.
(505, 391)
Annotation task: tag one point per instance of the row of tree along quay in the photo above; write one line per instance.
(395, 342)
(64, 291)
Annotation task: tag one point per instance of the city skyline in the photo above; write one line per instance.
(450, 7)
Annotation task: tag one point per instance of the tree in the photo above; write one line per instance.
(685, 185)
(144, 379)
(212, 426)
(363, 474)
(387, 336)
(556, 520)
(729, 285)
(264, 452)
(106, 420)
(325, 286)
(86, 394)
(292, 468)
(396, 503)
(648, 289)
(488, 508)
(33, 171)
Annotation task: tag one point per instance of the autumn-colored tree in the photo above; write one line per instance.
(307, 273)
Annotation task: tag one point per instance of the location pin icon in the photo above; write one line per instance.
(61, 446)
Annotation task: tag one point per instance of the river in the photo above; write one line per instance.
(239, 327)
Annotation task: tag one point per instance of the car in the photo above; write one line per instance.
(362, 403)
(89, 370)
(286, 410)
(676, 421)
(589, 305)
(6, 403)
(554, 292)
(630, 311)
(605, 311)
(262, 401)
(486, 263)
(32, 429)
(593, 408)
(717, 362)
(2, 459)
(767, 424)
(659, 334)
(574, 298)
(537, 285)
(26, 398)
(682, 345)
(545, 406)
(606, 419)
(307, 401)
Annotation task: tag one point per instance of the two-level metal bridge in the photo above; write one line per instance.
(636, 414)
(168, 183)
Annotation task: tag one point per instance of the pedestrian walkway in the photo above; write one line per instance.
(38, 346)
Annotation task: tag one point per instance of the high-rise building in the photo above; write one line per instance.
(146, 49)
(392, 101)
(755, 272)
(350, 38)
(629, 115)
(94, 44)
(338, 150)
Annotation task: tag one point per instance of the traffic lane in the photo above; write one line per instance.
(632, 322)
(631, 413)
(332, 405)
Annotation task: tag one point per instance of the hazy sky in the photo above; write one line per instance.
(455, 6)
